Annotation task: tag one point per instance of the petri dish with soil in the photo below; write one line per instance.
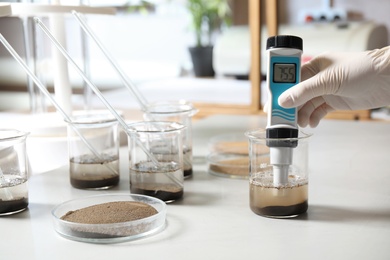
(109, 218)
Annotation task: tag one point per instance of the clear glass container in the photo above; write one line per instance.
(182, 113)
(13, 171)
(156, 159)
(93, 144)
(268, 197)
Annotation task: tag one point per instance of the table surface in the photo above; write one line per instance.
(348, 216)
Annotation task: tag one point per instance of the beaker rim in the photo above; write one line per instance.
(155, 127)
(171, 107)
(260, 134)
(91, 117)
(7, 134)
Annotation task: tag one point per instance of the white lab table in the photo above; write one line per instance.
(348, 216)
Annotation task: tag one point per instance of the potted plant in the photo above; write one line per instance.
(208, 17)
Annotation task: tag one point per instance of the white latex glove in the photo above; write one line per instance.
(340, 81)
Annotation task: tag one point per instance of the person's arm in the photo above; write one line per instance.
(340, 81)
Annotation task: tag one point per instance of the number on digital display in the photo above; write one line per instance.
(284, 73)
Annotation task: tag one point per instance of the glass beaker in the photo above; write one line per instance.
(93, 146)
(13, 171)
(267, 197)
(156, 159)
(180, 112)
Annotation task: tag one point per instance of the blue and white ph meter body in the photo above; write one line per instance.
(283, 72)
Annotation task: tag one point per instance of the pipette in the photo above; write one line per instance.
(125, 79)
(129, 84)
(284, 59)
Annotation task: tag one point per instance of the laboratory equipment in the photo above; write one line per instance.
(164, 140)
(278, 181)
(128, 129)
(278, 201)
(88, 171)
(284, 66)
(180, 112)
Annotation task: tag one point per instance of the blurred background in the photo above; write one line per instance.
(153, 41)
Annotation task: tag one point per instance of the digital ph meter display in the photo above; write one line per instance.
(284, 73)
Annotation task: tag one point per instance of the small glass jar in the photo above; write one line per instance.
(93, 146)
(268, 197)
(13, 171)
(156, 159)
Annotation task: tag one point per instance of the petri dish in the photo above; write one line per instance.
(228, 165)
(229, 144)
(111, 232)
(228, 156)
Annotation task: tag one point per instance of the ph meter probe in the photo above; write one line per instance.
(283, 71)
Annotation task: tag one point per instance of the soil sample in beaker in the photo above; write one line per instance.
(93, 147)
(163, 183)
(87, 172)
(285, 201)
(13, 195)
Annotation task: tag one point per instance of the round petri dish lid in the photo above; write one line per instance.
(112, 232)
(10, 134)
(229, 144)
(228, 165)
(92, 117)
(228, 156)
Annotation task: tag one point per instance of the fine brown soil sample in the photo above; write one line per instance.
(110, 212)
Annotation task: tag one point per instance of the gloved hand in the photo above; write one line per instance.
(340, 81)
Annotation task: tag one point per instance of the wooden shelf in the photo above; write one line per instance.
(350, 115)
